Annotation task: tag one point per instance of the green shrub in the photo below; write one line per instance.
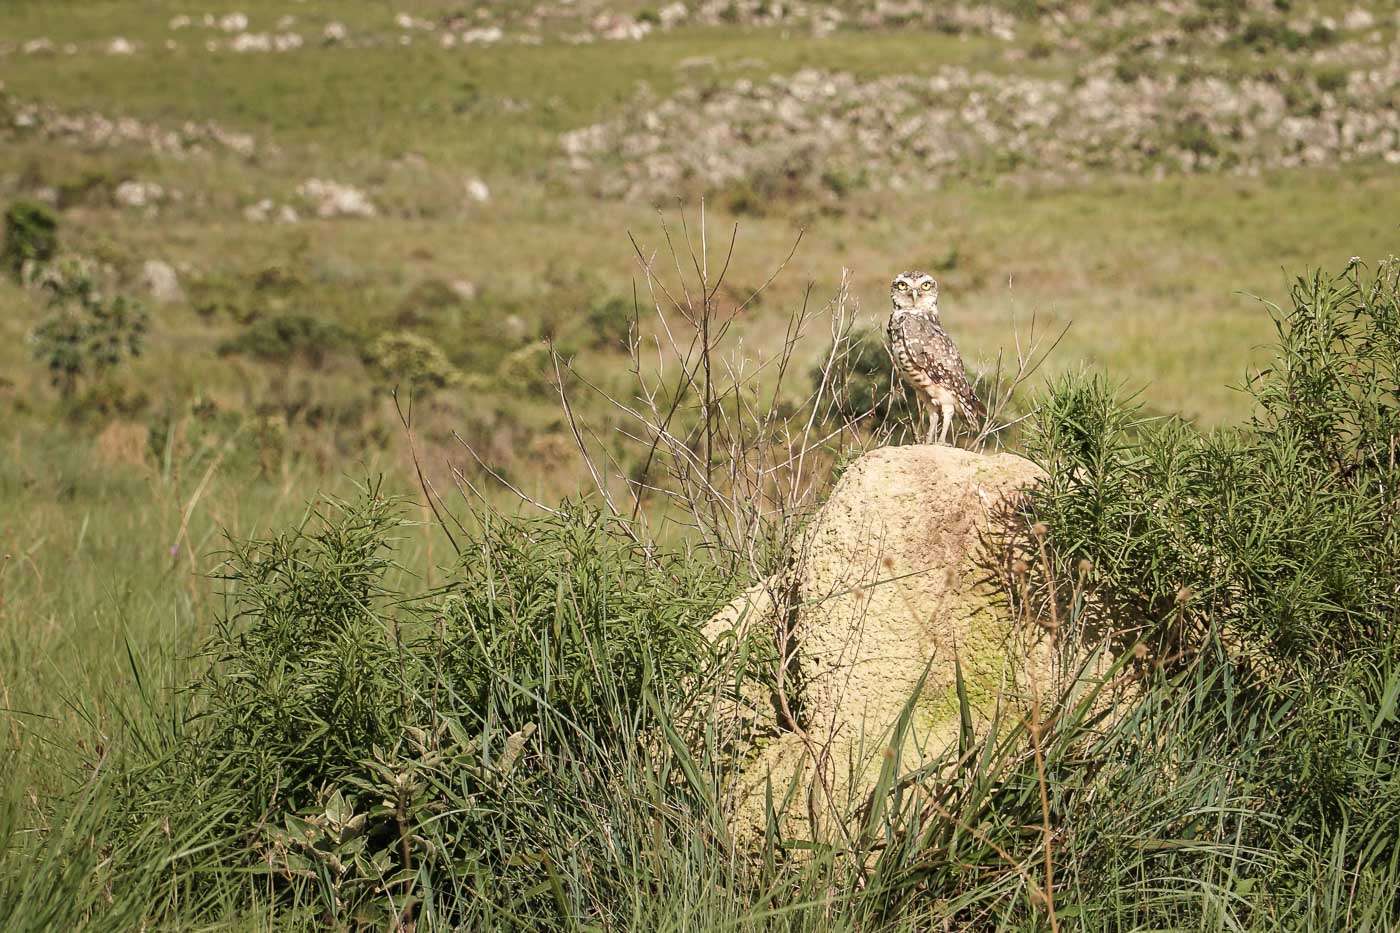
(31, 235)
(1271, 550)
(88, 187)
(1269, 33)
(1129, 69)
(245, 295)
(1192, 135)
(287, 337)
(413, 362)
(529, 370)
(87, 335)
(609, 323)
(367, 750)
(1332, 80)
(841, 182)
(863, 385)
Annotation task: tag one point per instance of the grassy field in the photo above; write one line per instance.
(484, 242)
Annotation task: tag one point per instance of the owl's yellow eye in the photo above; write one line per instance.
(927, 285)
(903, 285)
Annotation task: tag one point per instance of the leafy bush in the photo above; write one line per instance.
(288, 337)
(87, 335)
(31, 235)
(1271, 551)
(1270, 33)
(245, 295)
(530, 369)
(408, 360)
(370, 752)
(609, 323)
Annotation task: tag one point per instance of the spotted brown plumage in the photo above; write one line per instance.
(926, 357)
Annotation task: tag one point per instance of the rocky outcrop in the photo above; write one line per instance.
(161, 282)
(895, 586)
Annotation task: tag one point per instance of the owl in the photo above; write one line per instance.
(926, 357)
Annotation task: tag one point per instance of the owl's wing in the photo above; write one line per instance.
(935, 353)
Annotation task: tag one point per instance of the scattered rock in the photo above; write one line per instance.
(120, 46)
(1359, 18)
(483, 36)
(138, 194)
(335, 32)
(269, 211)
(265, 42)
(814, 133)
(251, 42)
(161, 282)
(478, 191)
(333, 199)
(467, 291)
(233, 22)
(672, 15)
(617, 26)
(95, 129)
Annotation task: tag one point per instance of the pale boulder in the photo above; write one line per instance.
(897, 580)
(161, 282)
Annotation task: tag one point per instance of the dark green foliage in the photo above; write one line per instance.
(305, 338)
(1270, 554)
(87, 335)
(609, 323)
(1284, 535)
(1265, 34)
(412, 362)
(842, 183)
(246, 296)
(89, 187)
(1130, 68)
(569, 613)
(863, 384)
(31, 235)
(1332, 80)
(1195, 137)
(362, 749)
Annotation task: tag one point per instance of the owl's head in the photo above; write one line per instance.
(915, 291)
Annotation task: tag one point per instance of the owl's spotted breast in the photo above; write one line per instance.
(926, 358)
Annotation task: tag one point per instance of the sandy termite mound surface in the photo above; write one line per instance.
(900, 573)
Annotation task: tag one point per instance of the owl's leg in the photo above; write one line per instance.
(947, 408)
(928, 409)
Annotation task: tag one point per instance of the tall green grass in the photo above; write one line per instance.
(520, 738)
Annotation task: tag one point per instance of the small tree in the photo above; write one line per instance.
(86, 335)
(412, 361)
(31, 234)
(288, 337)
